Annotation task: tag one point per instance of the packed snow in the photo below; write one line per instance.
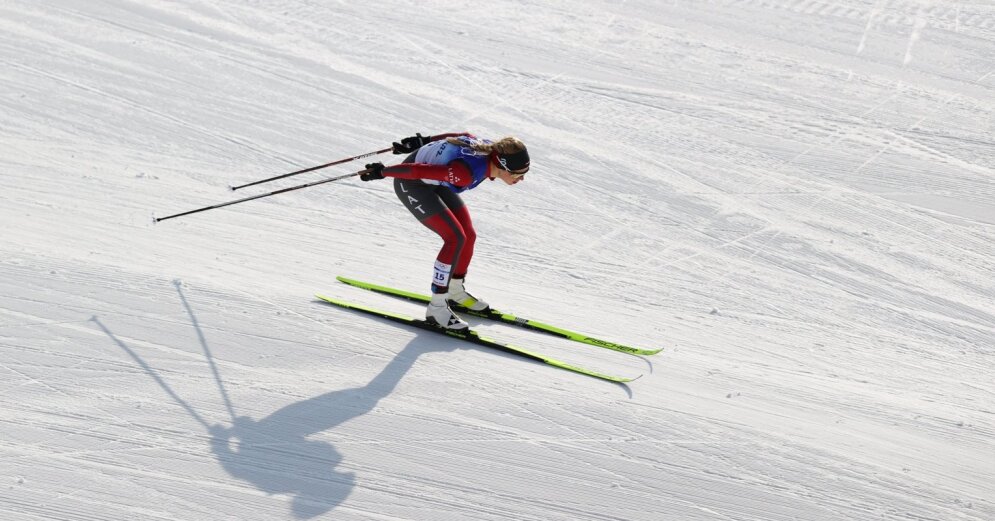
(794, 198)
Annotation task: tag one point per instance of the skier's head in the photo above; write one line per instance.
(511, 155)
(508, 153)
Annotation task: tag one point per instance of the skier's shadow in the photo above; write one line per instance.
(275, 453)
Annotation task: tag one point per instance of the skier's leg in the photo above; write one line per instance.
(425, 204)
(457, 291)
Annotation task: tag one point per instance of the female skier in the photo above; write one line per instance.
(428, 182)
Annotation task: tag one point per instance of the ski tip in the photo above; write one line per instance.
(621, 380)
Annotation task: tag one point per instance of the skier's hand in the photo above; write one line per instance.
(373, 172)
(410, 144)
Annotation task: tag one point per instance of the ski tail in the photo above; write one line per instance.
(415, 297)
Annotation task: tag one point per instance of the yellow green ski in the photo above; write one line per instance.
(474, 337)
(506, 318)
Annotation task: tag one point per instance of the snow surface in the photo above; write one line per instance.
(794, 198)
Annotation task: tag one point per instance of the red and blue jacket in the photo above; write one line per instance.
(440, 162)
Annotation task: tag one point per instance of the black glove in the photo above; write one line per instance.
(410, 144)
(373, 171)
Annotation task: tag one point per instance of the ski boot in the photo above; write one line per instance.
(458, 295)
(439, 314)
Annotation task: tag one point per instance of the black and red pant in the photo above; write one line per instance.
(442, 211)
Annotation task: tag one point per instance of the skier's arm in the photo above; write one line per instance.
(410, 144)
(456, 173)
(453, 134)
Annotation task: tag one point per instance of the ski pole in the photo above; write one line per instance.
(313, 168)
(229, 203)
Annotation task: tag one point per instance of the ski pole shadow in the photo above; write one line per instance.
(276, 454)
